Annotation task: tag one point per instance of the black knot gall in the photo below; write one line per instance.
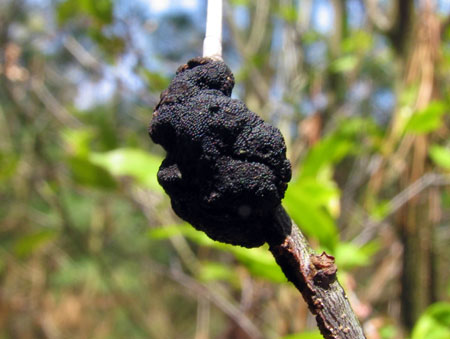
(226, 169)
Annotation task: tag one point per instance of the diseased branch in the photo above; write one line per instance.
(315, 277)
(219, 197)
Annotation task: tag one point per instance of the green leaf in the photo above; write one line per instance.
(389, 331)
(428, 119)
(434, 323)
(349, 255)
(325, 153)
(133, 162)
(87, 173)
(78, 141)
(27, 244)
(313, 220)
(440, 156)
(321, 192)
(99, 10)
(343, 141)
(358, 42)
(344, 64)
(259, 261)
(311, 202)
(304, 335)
(288, 13)
(168, 231)
(66, 10)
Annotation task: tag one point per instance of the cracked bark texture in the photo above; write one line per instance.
(315, 277)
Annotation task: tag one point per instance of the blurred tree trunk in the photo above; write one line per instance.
(416, 221)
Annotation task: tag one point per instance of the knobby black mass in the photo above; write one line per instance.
(226, 169)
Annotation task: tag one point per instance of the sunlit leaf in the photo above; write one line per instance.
(342, 142)
(138, 164)
(389, 331)
(322, 192)
(288, 13)
(314, 221)
(304, 335)
(441, 156)
(344, 64)
(428, 119)
(328, 151)
(259, 261)
(78, 141)
(434, 323)
(100, 10)
(358, 42)
(349, 255)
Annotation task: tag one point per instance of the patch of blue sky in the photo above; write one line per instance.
(315, 54)
(160, 7)
(444, 6)
(384, 99)
(91, 94)
(94, 93)
(278, 28)
(322, 16)
(241, 16)
(40, 3)
(360, 91)
(383, 103)
(356, 13)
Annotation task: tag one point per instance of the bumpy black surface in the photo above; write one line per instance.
(226, 169)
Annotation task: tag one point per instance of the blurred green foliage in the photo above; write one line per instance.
(434, 322)
(89, 245)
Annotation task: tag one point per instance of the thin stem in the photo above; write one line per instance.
(212, 45)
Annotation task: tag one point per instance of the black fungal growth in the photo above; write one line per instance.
(226, 169)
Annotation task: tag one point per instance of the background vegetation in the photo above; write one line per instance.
(89, 246)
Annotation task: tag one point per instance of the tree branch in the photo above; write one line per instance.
(315, 277)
